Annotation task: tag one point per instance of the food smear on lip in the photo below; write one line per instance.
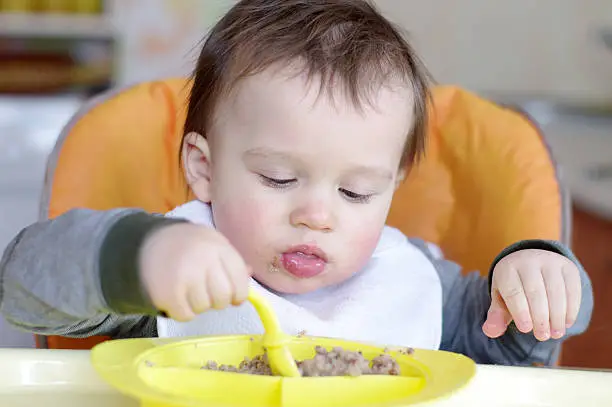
(304, 261)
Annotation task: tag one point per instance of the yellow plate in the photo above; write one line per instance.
(167, 373)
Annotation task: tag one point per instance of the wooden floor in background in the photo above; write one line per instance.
(592, 244)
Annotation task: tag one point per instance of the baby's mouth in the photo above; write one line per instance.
(304, 261)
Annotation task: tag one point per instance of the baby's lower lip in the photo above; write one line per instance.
(302, 265)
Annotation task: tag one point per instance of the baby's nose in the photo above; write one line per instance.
(315, 216)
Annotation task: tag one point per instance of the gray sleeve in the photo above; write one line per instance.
(467, 300)
(76, 275)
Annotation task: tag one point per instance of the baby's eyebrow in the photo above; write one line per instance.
(377, 172)
(267, 153)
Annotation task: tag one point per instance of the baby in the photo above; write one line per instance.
(304, 117)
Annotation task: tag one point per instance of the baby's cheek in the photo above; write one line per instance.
(362, 243)
(242, 222)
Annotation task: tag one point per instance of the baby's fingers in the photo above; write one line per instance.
(178, 309)
(557, 300)
(220, 289)
(535, 290)
(238, 274)
(498, 317)
(573, 289)
(511, 289)
(198, 298)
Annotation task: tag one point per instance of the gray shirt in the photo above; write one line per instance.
(77, 276)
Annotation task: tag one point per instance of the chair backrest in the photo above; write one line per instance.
(487, 180)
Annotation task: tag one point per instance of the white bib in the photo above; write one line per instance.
(396, 300)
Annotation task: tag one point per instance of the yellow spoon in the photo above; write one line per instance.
(274, 339)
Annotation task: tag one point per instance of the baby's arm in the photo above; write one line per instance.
(467, 300)
(70, 276)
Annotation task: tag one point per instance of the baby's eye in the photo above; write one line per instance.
(277, 183)
(355, 197)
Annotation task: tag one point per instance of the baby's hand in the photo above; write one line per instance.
(538, 289)
(187, 269)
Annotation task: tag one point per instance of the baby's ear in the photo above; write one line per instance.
(195, 156)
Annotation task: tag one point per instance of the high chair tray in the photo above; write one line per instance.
(63, 378)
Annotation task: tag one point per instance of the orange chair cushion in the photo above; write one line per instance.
(124, 152)
(487, 181)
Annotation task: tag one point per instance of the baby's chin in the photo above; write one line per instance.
(281, 283)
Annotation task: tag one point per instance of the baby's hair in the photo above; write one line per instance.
(347, 44)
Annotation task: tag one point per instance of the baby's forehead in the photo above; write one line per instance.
(277, 89)
(276, 111)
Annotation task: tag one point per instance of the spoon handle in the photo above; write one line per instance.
(268, 318)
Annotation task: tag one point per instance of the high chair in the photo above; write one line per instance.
(487, 180)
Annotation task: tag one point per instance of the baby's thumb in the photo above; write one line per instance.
(498, 318)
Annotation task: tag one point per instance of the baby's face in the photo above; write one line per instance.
(301, 184)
